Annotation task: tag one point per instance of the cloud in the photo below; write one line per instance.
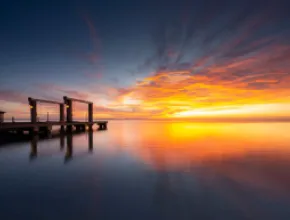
(97, 76)
(13, 96)
(61, 91)
(263, 77)
(115, 80)
(75, 94)
(207, 59)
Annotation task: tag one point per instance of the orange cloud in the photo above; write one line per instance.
(243, 87)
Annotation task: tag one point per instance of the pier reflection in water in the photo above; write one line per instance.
(163, 171)
(62, 137)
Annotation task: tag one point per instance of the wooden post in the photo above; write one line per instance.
(33, 110)
(90, 111)
(61, 112)
(70, 111)
(33, 130)
(61, 116)
(69, 128)
(62, 130)
(68, 103)
(48, 129)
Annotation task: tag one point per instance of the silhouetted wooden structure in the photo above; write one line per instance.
(33, 108)
(2, 116)
(69, 109)
(34, 126)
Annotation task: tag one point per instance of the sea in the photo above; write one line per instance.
(150, 170)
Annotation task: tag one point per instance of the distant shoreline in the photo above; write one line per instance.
(222, 120)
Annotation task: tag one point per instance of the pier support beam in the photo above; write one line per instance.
(61, 116)
(33, 110)
(45, 130)
(90, 111)
(78, 127)
(62, 130)
(61, 112)
(33, 131)
(48, 130)
(69, 128)
(68, 103)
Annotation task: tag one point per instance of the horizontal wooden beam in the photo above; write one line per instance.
(77, 100)
(45, 101)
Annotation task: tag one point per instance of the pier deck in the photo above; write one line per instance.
(47, 126)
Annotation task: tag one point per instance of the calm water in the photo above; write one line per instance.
(151, 170)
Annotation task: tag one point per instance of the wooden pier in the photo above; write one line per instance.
(34, 127)
(46, 127)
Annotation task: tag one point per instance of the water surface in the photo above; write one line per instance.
(151, 170)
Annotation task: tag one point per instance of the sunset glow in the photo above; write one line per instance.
(250, 110)
(186, 73)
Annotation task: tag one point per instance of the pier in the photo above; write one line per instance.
(66, 124)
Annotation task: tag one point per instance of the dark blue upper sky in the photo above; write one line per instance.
(53, 40)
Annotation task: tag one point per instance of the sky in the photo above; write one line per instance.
(192, 59)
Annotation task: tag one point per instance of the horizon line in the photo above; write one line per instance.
(272, 119)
